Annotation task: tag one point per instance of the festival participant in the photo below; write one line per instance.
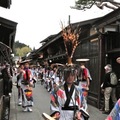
(27, 84)
(67, 100)
(115, 113)
(19, 79)
(84, 80)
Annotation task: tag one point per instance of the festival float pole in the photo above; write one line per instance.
(70, 37)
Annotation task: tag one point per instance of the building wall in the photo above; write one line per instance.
(101, 50)
(90, 49)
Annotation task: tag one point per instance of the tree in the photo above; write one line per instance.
(20, 49)
(18, 44)
(23, 51)
(87, 4)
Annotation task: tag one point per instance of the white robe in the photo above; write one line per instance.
(61, 98)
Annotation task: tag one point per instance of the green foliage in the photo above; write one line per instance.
(19, 45)
(87, 4)
(20, 49)
(82, 4)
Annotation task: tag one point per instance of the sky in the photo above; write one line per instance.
(38, 19)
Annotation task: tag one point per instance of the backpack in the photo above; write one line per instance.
(113, 79)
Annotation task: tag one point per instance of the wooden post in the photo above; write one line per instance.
(69, 60)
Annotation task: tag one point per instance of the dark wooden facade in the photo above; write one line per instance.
(52, 50)
(102, 46)
(7, 37)
(90, 48)
(5, 3)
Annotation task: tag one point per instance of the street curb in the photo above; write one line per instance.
(13, 111)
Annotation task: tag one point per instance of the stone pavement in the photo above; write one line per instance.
(41, 104)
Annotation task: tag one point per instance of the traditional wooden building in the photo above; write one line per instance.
(7, 37)
(53, 48)
(101, 46)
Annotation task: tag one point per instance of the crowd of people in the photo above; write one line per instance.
(68, 93)
(68, 87)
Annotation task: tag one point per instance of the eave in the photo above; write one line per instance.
(48, 43)
(5, 3)
(108, 19)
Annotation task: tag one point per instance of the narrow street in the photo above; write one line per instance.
(41, 104)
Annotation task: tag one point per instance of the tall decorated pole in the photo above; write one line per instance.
(70, 36)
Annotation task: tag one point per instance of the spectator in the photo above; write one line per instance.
(108, 89)
(19, 79)
(7, 75)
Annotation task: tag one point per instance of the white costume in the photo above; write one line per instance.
(59, 98)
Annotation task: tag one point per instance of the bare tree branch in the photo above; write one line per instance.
(102, 5)
(87, 4)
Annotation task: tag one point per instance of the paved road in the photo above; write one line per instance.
(41, 104)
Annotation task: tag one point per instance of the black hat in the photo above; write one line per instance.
(68, 70)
